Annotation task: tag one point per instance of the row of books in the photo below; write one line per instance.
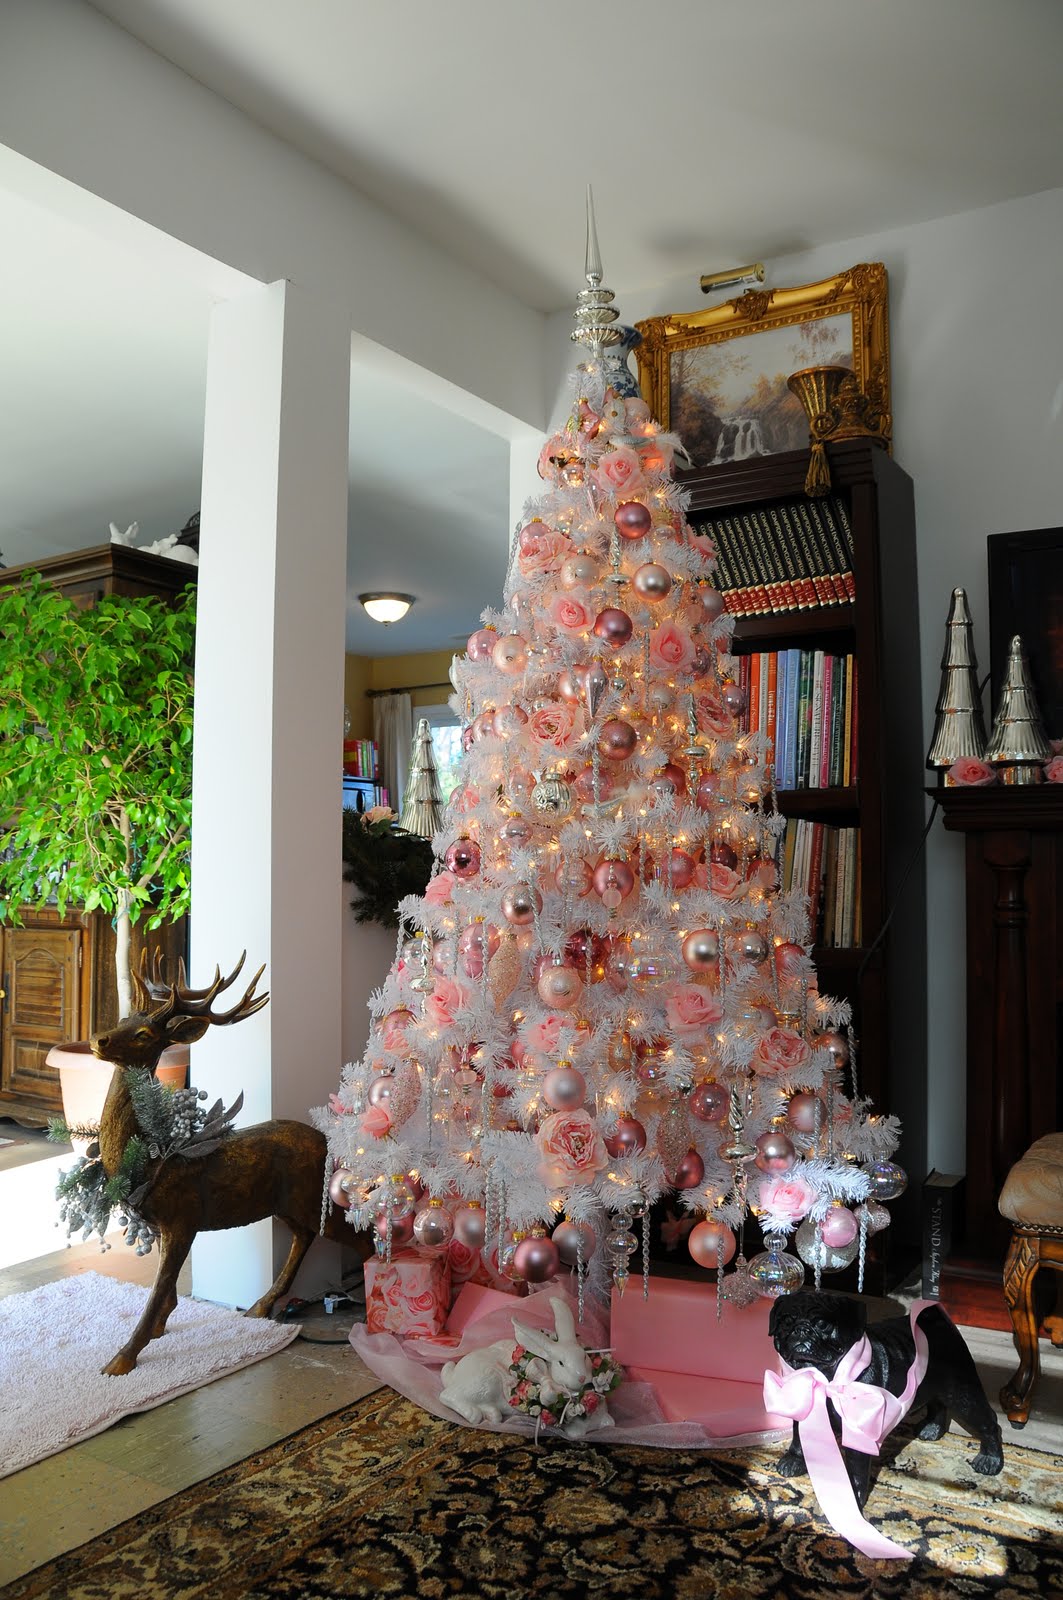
(788, 556)
(824, 862)
(806, 703)
(360, 758)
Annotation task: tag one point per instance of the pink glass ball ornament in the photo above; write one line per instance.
(574, 1240)
(682, 869)
(584, 785)
(443, 957)
(816, 1252)
(583, 946)
(839, 1227)
(401, 1228)
(707, 792)
(837, 1044)
(711, 602)
(521, 904)
(462, 858)
(579, 571)
(509, 721)
(632, 520)
(559, 987)
(723, 854)
(708, 1102)
(564, 1089)
(510, 654)
(775, 1152)
(470, 1225)
(614, 626)
(711, 1243)
(689, 1173)
(734, 698)
(652, 581)
(617, 739)
(381, 1092)
(570, 684)
(806, 1112)
(753, 946)
(516, 832)
(788, 959)
(481, 644)
(338, 1191)
(530, 534)
(574, 877)
(701, 949)
(613, 882)
(628, 1138)
(536, 1258)
(478, 943)
(482, 726)
(433, 1227)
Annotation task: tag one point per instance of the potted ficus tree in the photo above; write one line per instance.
(96, 760)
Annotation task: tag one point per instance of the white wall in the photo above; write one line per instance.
(977, 368)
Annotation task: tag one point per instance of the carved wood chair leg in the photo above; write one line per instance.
(1054, 1323)
(302, 1238)
(1020, 1271)
(173, 1249)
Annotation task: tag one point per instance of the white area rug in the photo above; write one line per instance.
(55, 1339)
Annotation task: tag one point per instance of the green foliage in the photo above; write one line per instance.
(385, 864)
(95, 752)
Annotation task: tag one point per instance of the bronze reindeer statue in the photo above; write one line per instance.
(273, 1169)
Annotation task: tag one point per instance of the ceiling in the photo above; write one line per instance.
(714, 133)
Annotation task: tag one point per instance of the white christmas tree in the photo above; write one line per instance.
(609, 999)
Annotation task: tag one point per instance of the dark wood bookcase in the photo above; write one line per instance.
(56, 972)
(886, 986)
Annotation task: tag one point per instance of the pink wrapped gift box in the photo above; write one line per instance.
(408, 1295)
(703, 1371)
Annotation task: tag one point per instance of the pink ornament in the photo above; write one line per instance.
(583, 945)
(709, 1102)
(515, 831)
(613, 878)
(564, 1089)
(775, 1152)
(401, 1228)
(508, 721)
(570, 684)
(510, 654)
(481, 643)
(478, 942)
(559, 987)
(337, 1186)
(711, 602)
(573, 1240)
(628, 1139)
(614, 626)
(433, 1227)
(573, 877)
(579, 571)
(677, 777)
(722, 854)
(470, 1225)
(463, 858)
(632, 520)
(584, 785)
(380, 1093)
(838, 1228)
(682, 869)
(837, 1044)
(529, 536)
(482, 726)
(733, 698)
(711, 1244)
(536, 1259)
(806, 1112)
(652, 581)
(617, 739)
(690, 1171)
(707, 791)
(788, 959)
(701, 949)
(521, 904)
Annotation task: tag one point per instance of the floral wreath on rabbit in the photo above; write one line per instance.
(535, 1395)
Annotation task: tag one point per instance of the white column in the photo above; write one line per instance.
(268, 721)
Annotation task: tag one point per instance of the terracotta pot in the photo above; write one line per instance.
(84, 1081)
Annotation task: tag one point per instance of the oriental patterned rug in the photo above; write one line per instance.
(381, 1499)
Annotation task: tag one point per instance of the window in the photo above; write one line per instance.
(446, 745)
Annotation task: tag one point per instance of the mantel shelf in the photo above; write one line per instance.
(1000, 807)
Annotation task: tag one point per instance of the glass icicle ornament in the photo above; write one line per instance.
(610, 1000)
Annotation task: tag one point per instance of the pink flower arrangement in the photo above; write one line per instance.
(439, 891)
(970, 773)
(619, 472)
(671, 648)
(554, 725)
(713, 716)
(692, 1012)
(542, 551)
(571, 611)
(722, 880)
(445, 1003)
(780, 1053)
(571, 1147)
(1054, 770)
(787, 1198)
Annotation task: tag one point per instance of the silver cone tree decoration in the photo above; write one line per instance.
(1017, 744)
(422, 806)
(959, 727)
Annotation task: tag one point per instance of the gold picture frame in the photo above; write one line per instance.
(717, 378)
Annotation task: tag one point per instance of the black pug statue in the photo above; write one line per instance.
(811, 1329)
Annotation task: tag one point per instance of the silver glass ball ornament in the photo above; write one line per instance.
(813, 1249)
(775, 1272)
(887, 1180)
(552, 796)
(753, 946)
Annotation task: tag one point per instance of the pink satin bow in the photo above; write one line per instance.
(867, 1413)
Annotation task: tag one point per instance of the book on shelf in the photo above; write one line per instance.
(360, 759)
(788, 556)
(803, 701)
(822, 862)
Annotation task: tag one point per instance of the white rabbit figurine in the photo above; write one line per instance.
(478, 1386)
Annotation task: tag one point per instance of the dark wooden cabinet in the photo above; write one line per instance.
(884, 979)
(1014, 889)
(57, 972)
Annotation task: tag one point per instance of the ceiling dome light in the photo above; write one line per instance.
(387, 607)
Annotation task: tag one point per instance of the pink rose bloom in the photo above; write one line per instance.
(713, 716)
(548, 1419)
(554, 725)
(571, 611)
(781, 1052)
(393, 1035)
(692, 1012)
(542, 1037)
(590, 1402)
(571, 1147)
(376, 1122)
(721, 879)
(377, 814)
(553, 454)
(446, 1002)
(337, 1107)
(672, 648)
(1054, 770)
(543, 552)
(700, 542)
(971, 773)
(466, 799)
(788, 1197)
(440, 889)
(619, 472)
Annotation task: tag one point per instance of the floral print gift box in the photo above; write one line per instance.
(408, 1295)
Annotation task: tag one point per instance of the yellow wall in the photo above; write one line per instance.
(393, 672)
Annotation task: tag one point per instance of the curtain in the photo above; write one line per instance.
(393, 734)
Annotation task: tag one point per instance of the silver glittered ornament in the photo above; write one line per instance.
(552, 796)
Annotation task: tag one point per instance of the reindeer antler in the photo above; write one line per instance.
(178, 997)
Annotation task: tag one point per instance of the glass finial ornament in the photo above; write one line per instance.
(959, 726)
(609, 1000)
